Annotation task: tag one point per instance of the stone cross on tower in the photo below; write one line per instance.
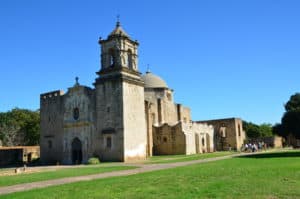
(76, 81)
(148, 68)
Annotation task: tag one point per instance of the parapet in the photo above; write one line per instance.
(52, 94)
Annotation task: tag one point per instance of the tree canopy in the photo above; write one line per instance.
(257, 131)
(19, 127)
(290, 122)
(293, 105)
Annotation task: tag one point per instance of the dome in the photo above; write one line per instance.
(118, 31)
(153, 81)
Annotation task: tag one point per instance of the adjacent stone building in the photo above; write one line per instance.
(18, 154)
(169, 126)
(126, 116)
(229, 133)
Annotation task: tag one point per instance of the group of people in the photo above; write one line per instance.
(254, 147)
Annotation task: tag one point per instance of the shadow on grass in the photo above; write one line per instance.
(287, 154)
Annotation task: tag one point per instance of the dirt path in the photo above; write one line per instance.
(142, 168)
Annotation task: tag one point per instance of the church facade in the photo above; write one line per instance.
(126, 116)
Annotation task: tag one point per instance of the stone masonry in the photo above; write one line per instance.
(126, 116)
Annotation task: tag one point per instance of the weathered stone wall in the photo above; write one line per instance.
(240, 133)
(120, 120)
(30, 153)
(51, 112)
(274, 141)
(186, 114)
(167, 111)
(59, 128)
(190, 144)
(83, 128)
(201, 137)
(150, 120)
(229, 133)
(119, 49)
(168, 140)
(135, 135)
(109, 114)
(183, 138)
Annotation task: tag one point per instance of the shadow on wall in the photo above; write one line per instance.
(287, 154)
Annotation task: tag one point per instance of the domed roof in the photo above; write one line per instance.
(153, 81)
(118, 31)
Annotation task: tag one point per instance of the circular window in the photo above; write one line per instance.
(76, 113)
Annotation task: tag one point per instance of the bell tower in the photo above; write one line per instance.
(118, 51)
(120, 111)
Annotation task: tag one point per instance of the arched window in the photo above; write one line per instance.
(76, 113)
(129, 59)
(49, 144)
(203, 142)
(108, 142)
(165, 139)
(111, 58)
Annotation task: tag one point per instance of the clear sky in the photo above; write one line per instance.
(222, 58)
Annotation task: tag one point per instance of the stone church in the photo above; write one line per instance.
(126, 116)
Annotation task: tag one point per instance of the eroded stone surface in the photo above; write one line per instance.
(121, 118)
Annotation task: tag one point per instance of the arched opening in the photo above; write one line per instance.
(29, 157)
(208, 149)
(111, 58)
(76, 113)
(165, 139)
(76, 151)
(197, 143)
(49, 144)
(203, 145)
(108, 142)
(129, 59)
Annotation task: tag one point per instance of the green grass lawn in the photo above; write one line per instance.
(55, 174)
(272, 175)
(47, 175)
(182, 158)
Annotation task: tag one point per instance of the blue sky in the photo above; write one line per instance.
(222, 58)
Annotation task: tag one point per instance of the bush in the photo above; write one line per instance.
(93, 160)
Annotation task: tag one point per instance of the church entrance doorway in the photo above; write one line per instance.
(76, 151)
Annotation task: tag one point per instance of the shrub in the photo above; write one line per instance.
(93, 160)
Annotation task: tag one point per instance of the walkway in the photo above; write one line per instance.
(142, 168)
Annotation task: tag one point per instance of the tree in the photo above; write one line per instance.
(9, 135)
(265, 130)
(19, 127)
(291, 123)
(278, 130)
(291, 118)
(293, 104)
(251, 129)
(32, 128)
(257, 131)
